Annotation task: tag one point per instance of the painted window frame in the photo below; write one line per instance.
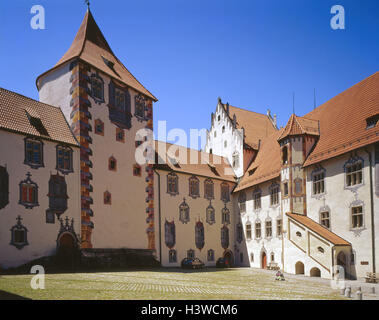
(184, 212)
(99, 127)
(172, 183)
(140, 111)
(194, 187)
(318, 181)
(355, 205)
(210, 214)
(268, 229)
(249, 231)
(323, 218)
(112, 164)
(70, 153)
(209, 189)
(191, 254)
(242, 202)
(199, 235)
(225, 192)
(239, 232)
(225, 237)
(172, 256)
(258, 231)
(225, 215)
(120, 131)
(28, 185)
(34, 142)
(210, 255)
(350, 163)
(58, 197)
(17, 228)
(170, 234)
(96, 78)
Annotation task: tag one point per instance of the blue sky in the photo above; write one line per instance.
(253, 54)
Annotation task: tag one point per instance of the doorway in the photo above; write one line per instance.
(264, 260)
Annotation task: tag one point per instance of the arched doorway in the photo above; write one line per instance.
(341, 262)
(229, 260)
(315, 272)
(299, 268)
(67, 250)
(264, 260)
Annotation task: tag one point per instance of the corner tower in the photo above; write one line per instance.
(105, 106)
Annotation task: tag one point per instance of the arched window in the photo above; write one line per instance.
(225, 215)
(199, 235)
(170, 236)
(28, 193)
(225, 237)
(4, 187)
(172, 184)
(172, 256)
(112, 164)
(19, 235)
(194, 188)
(225, 194)
(208, 189)
(211, 255)
(184, 212)
(210, 214)
(239, 232)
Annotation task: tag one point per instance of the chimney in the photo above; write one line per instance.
(275, 121)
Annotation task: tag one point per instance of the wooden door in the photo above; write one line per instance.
(264, 260)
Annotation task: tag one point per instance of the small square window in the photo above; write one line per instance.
(120, 135)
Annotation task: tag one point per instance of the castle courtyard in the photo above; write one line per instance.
(158, 284)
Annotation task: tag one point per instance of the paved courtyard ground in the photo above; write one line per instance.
(236, 283)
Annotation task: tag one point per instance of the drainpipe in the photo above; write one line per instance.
(159, 216)
(372, 213)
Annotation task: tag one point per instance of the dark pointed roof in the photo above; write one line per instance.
(90, 46)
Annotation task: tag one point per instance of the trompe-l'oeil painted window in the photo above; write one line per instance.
(28, 192)
(33, 153)
(64, 159)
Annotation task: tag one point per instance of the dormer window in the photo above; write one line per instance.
(372, 121)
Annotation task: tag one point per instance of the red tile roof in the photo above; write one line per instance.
(191, 161)
(91, 46)
(266, 165)
(256, 125)
(343, 121)
(297, 126)
(318, 229)
(16, 110)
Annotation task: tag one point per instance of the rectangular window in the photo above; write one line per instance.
(225, 192)
(120, 135)
(248, 232)
(211, 255)
(33, 152)
(258, 234)
(64, 158)
(257, 200)
(319, 183)
(274, 195)
(357, 217)
(285, 189)
(28, 193)
(268, 229)
(120, 99)
(279, 227)
(172, 256)
(325, 219)
(354, 174)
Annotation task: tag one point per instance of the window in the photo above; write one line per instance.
(241, 256)
(64, 159)
(285, 155)
(298, 186)
(258, 233)
(318, 178)
(194, 191)
(170, 235)
(268, 229)
(225, 215)
(242, 202)
(172, 184)
(119, 106)
(325, 219)
(172, 256)
(298, 233)
(211, 255)
(99, 127)
(28, 193)
(190, 254)
(285, 189)
(252, 257)
(279, 227)
(257, 199)
(272, 256)
(107, 198)
(248, 231)
(225, 195)
(137, 170)
(219, 118)
(33, 153)
(97, 88)
(274, 194)
(19, 234)
(372, 121)
(236, 160)
(225, 144)
(57, 195)
(199, 235)
(239, 232)
(223, 129)
(208, 189)
(215, 134)
(210, 215)
(320, 249)
(120, 135)
(4, 187)
(140, 103)
(225, 237)
(112, 164)
(353, 173)
(357, 217)
(184, 212)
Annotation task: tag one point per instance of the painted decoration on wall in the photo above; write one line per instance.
(19, 234)
(57, 194)
(199, 235)
(28, 193)
(210, 214)
(225, 237)
(170, 234)
(184, 212)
